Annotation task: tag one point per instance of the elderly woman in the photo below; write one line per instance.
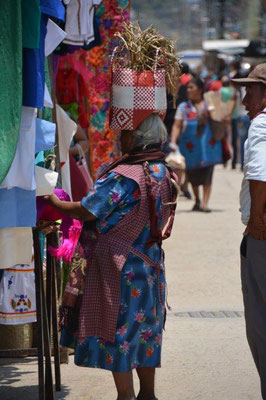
(197, 143)
(123, 306)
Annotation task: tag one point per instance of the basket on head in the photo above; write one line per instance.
(135, 95)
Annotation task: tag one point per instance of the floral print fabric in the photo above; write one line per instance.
(141, 317)
(199, 150)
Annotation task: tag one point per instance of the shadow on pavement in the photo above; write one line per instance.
(11, 373)
(27, 393)
(213, 210)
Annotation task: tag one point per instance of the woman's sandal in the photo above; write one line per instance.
(206, 210)
(196, 207)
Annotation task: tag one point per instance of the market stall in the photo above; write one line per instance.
(55, 80)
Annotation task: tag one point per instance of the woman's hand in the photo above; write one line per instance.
(73, 209)
(52, 199)
(173, 147)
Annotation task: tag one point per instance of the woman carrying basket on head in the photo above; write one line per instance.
(132, 205)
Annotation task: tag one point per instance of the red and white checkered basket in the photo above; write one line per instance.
(135, 95)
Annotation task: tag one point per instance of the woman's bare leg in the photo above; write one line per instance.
(206, 196)
(196, 194)
(124, 385)
(147, 379)
(184, 186)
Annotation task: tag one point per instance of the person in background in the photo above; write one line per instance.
(197, 144)
(235, 72)
(209, 77)
(228, 97)
(234, 69)
(169, 120)
(229, 93)
(243, 124)
(79, 139)
(252, 207)
(184, 80)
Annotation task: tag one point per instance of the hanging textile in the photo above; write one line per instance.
(53, 8)
(17, 207)
(79, 22)
(34, 59)
(17, 294)
(16, 246)
(103, 143)
(45, 181)
(66, 130)
(54, 37)
(21, 172)
(31, 19)
(10, 82)
(84, 78)
(34, 71)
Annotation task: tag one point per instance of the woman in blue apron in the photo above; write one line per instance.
(197, 144)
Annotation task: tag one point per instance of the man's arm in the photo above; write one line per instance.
(256, 226)
(72, 209)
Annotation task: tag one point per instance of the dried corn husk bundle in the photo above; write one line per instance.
(137, 50)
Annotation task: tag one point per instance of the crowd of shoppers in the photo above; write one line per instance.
(193, 131)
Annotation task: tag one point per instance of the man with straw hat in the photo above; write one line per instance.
(118, 326)
(253, 211)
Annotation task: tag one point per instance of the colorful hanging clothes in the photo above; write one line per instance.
(10, 82)
(17, 295)
(34, 59)
(141, 317)
(199, 149)
(84, 77)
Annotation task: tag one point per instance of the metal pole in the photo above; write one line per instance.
(221, 18)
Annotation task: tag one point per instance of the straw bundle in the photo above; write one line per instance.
(137, 50)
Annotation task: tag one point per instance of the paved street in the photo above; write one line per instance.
(205, 354)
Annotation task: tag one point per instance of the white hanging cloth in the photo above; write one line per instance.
(21, 173)
(66, 129)
(16, 246)
(17, 295)
(79, 22)
(45, 180)
(54, 36)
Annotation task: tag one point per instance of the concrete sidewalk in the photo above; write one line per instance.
(205, 353)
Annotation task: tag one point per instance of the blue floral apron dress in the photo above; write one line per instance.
(141, 317)
(199, 151)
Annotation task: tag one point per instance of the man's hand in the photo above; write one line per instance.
(256, 228)
(256, 225)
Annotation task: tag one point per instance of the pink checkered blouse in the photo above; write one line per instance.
(101, 299)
